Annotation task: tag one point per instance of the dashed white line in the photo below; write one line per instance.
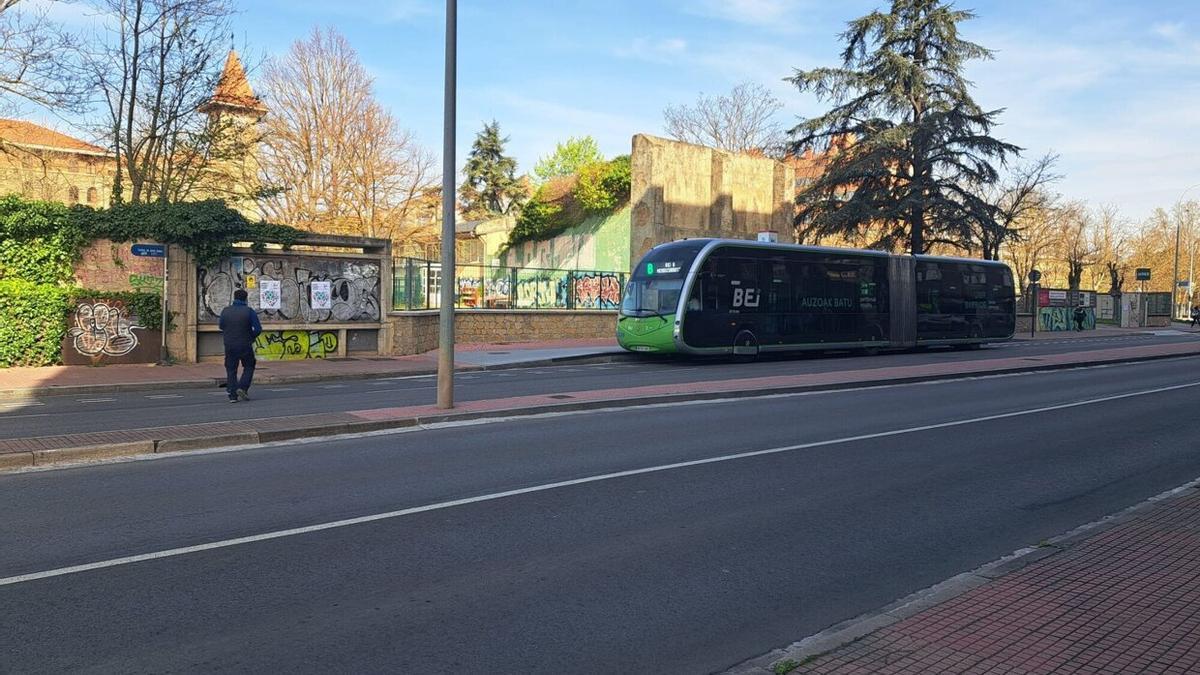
(165, 396)
(95, 400)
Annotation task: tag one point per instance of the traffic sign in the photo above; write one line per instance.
(1143, 274)
(149, 250)
(1184, 283)
(1035, 276)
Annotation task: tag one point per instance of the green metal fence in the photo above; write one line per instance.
(416, 284)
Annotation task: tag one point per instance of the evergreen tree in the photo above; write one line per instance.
(491, 187)
(911, 146)
(568, 157)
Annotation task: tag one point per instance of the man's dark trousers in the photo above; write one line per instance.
(246, 358)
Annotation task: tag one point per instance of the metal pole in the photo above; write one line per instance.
(1033, 302)
(1175, 274)
(162, 350)
(445, 378)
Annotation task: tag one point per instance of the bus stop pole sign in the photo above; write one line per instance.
(149, 250)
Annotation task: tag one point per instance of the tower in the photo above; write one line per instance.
(233, 114)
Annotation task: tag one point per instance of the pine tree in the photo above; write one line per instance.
(491, 187)
(912, 147)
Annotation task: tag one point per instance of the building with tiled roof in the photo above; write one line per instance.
(41, 163)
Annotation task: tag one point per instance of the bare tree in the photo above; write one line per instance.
(1036, 233)
(156, 63)
(741, 121)
(35, 62)
(1075, 245)
(1109, 241)
(338, 159)
(1010, 201)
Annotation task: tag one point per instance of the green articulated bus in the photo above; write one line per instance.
(724, 296)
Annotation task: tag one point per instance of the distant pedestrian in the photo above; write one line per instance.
(1195, 315)
(239, 326)
(1080, 317)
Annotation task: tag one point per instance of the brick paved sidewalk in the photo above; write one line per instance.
(1126, 600)
(46, 380)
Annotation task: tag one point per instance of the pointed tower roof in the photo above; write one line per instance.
(233, 90)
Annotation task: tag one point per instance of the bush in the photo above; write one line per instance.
(538, 219)
(32, 323)
(603, 186)
(54, 232)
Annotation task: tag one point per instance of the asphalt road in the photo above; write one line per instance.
(861, 497)
(107, 412)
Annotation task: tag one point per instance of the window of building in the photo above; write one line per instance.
(91, 195)
(72, 195)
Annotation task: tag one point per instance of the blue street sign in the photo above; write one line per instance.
(150, 250)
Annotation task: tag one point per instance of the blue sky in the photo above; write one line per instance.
(1113, 86)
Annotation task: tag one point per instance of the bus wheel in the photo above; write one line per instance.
(745, 346)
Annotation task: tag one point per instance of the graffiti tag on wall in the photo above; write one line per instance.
(103, 329)
(1065, 319)
(353, 285)
(295, 345)
(596, 290)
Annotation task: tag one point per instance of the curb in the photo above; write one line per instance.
(846, 632)
(201, 383)
(27, 459)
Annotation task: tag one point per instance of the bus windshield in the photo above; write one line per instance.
(657, 281)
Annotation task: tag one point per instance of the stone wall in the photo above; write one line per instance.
(688, 191)
(109, 266)
(417, 332)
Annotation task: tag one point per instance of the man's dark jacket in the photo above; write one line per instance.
(239, 326)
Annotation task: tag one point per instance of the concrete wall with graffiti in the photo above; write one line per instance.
(598, 243)
(296, 345)
(106, 332)
(1066, 319)
(353, 285)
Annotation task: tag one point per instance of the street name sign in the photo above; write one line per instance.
(149, 250)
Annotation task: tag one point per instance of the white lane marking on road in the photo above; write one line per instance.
(408, 377)
(21, 404)
(438, 506)
(94, 400)
(165, 396)
(283, 389)
(334, 386)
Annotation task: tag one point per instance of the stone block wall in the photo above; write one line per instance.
(682, 190)
(417, 332)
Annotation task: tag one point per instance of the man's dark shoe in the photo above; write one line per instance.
(242, 395)
(234, 399)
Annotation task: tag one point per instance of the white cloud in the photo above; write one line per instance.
(666, 50)
(768, 13)
(1118, 112)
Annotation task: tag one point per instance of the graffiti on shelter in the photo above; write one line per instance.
(295, 345)
(1066, 319)
(103, 329)
(353, 288)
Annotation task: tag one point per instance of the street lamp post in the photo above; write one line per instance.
(445, 371)
(1175, 275)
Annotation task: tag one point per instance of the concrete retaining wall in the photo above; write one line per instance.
(417, 332)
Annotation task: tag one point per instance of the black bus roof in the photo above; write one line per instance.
(749, 243)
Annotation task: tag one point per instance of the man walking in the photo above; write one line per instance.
(239, 326)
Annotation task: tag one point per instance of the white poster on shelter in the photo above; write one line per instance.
(269, 295)
(322, 295)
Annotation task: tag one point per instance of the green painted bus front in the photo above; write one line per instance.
(711, 296)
